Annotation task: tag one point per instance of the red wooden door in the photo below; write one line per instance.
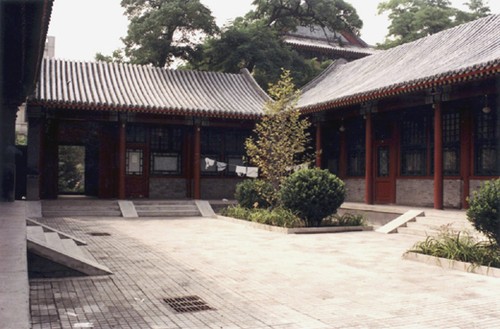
(137, 172)
(384, 172)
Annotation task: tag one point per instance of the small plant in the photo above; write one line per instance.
(484, 210)
(236, 212)
(277, 217)
(253, 193)
(313, 194)
(460, 247)
(346, 219)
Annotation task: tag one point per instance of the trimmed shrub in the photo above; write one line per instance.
(252, 193)
(484, 210)
(313, 194)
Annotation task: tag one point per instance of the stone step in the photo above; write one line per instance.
(80, 208)
(53, 240)
(168, 207)
(441, 225)
(71, 248)
(163, 202)
(35, 232)
(82, 213)
(59, 248)
(169, 214)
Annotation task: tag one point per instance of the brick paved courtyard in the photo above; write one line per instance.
(256, 279)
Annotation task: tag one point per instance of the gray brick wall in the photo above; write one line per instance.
(167, 188)
(476, 184)
(415, 192)
(218, 188)
(452, 193)
(355, 189)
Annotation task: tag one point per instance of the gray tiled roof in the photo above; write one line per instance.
(324, 39)
(328, 46)
(113, 86)
(465, 52)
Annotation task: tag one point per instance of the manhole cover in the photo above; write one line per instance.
(99, 234)
(187, 304)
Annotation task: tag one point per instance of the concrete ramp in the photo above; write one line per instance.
(393, 225)
(52, 250)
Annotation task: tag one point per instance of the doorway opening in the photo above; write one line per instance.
(71, 169)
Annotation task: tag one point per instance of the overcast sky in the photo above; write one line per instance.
(85, 27)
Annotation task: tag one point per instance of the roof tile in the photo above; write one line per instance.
(118, 86)
(466, 51)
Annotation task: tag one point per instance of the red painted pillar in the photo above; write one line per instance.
(121, 160)
(438, 156)
(318, 145)
(343, 155)
(197, 163)
(368, 160)
(465, 155)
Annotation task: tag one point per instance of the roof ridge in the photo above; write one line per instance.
(246, 74)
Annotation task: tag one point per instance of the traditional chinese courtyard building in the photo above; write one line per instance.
(324, 44)
(144, 131)
(414, 125)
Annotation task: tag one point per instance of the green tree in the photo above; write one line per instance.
(254, 46)
(281, 137)
(115, 57)
(163, 30)
(286, 15)
(414, 19)
(254, 41)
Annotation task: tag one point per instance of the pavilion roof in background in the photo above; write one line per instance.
(338, 44)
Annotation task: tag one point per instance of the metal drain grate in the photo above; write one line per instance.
(187, 304)
(99, 234)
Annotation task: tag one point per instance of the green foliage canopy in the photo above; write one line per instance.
(414, 19)
(286, 15)
(162, 30)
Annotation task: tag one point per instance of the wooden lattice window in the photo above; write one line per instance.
(166, 150)
(415, 144)
(486, 137)
(451, 143)
(355, 133)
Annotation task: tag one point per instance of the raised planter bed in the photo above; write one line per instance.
(297, 230)
(452, 264)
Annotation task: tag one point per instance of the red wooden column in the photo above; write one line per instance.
(318, 145)
(197, 163)
(121, 160)
(438, 156)
(343, 154)
(465, 155)
(368, 160)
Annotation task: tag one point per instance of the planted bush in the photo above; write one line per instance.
(484, 210)
(346, 219)
(253, 193)
(276, 217)
(461, 247)
(313, 194)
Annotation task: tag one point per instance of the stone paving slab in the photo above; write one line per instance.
(258, 279)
